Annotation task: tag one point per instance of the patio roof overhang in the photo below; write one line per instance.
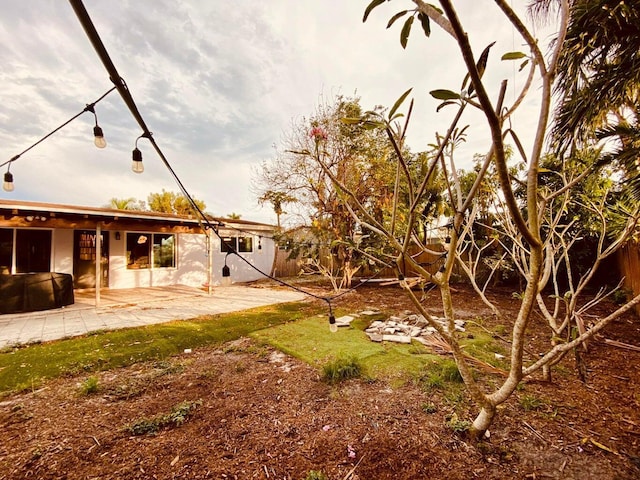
(48, 215)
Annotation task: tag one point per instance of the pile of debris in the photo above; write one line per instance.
(407, 327)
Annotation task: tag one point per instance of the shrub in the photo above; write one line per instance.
(176, 417)
(531, 402)
(315, 475)
(89, 386)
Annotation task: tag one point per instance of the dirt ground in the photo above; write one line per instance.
(249, 411)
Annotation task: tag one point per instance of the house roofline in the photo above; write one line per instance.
(140, 215)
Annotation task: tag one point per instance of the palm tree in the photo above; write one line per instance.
(599, 81)
(122, 203)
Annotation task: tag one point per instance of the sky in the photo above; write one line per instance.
(219, 83)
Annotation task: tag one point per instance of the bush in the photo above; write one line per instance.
(179, 413)
(315, 475)
(89, 386)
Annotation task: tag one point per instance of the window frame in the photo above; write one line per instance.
(151, 262)
(239, 244)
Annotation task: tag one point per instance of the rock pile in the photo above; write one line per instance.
(405, 328)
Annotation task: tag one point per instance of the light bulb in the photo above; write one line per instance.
(99, 140)
(137, 165)
(333, 326)
(8, 182)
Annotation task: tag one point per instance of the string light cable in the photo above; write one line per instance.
(90, 107)
(206, 224)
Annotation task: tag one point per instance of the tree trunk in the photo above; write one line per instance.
(481, 423)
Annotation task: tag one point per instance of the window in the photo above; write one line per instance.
(245, 244)
(140, 253)
(239, 244)
(6, 250)
(33, 251)
(227, 244)
(164, 250)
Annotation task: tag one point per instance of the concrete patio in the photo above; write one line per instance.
(133, 308)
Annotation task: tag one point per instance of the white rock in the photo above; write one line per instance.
(396, 338)
(346, 319)
(375, 337)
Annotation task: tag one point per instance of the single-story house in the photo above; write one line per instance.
(137, 248)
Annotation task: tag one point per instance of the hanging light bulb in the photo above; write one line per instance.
(226, 273)
(136, 164)
(99, 140)
(7, 185)
(98, 136)
(333, 326)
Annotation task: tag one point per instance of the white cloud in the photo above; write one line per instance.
(216, 81)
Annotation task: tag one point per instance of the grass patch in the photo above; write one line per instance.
(316, 475)
(530, 402)
(440, 373)
(89, 386)
(311, 341)
(178, 415)
(341, 369)
(27, 367)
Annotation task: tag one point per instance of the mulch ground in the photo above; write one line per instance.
(254, 412)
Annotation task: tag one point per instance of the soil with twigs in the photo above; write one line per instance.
(245, 411)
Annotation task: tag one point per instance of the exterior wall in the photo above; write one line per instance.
(192, 260)
(240, 271)
(62, 251)
(192, 264)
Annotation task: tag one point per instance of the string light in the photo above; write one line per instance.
(136, 155)
(333, 326)
(8, 176)
(7, 185)
(122, 88)
(98, 136)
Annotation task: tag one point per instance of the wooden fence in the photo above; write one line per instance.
(285, 267)
(629, 264)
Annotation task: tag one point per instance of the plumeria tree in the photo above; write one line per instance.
(528, 227)
(357, 155)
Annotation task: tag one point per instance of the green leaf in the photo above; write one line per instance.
(426, 25)
(523, 64)
(370, 7)
(399, 102)
(437, 9)
(396, 17)
(481, 65)
(513, 56)
(404, 34)
(370, 124)
(442, 94)
(350, 121)
(464, 82)
(444, 104)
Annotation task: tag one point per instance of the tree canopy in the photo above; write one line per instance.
(171, 202)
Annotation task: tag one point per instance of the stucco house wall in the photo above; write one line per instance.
(198, 257)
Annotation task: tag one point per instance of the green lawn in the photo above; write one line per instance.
(310, 340)
(26, 367)
(294, 328)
